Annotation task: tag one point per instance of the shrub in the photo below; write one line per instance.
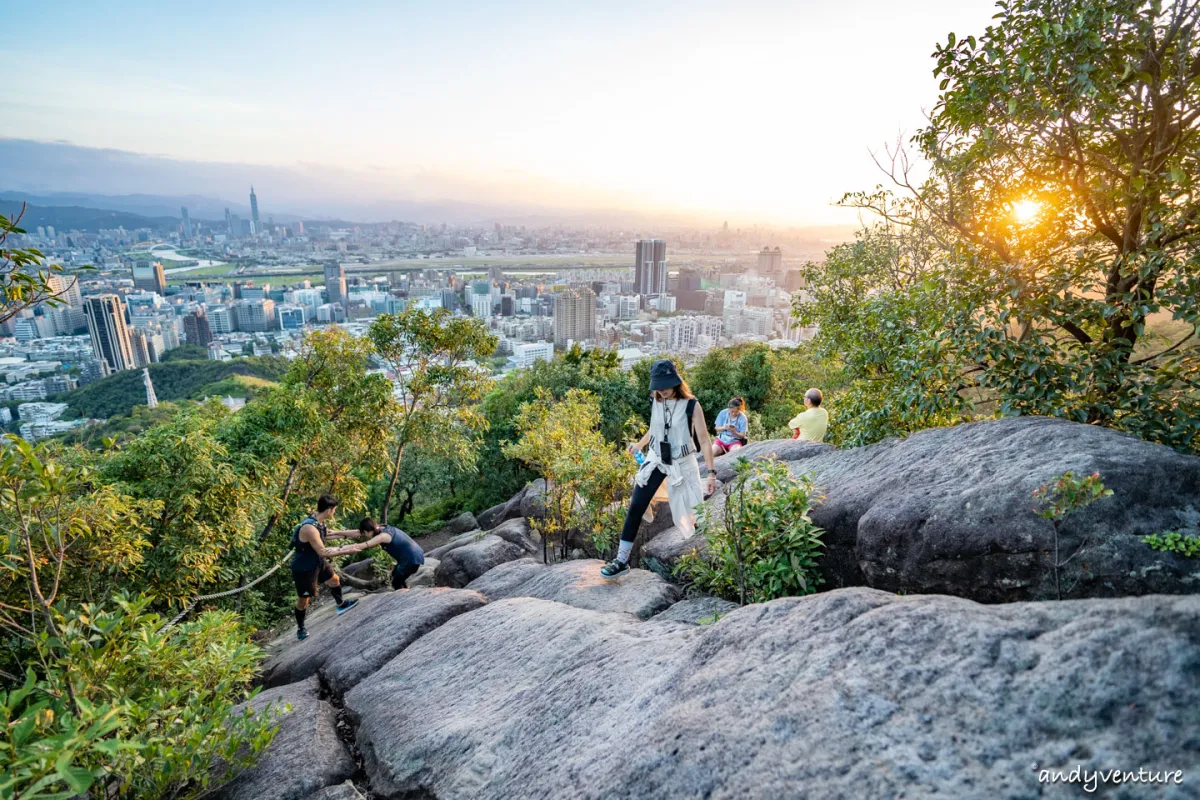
(762, 545)
(585, 474)
(1058, 500)
(136, 711)
(1184, 546)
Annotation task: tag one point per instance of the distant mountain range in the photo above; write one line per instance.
(54, 174)
(66, 218)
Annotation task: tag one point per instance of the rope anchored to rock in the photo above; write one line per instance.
(226, 593)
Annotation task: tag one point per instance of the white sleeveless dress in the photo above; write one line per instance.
(684, 492)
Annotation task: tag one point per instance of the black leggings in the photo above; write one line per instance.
(642, 495)
(401, 573)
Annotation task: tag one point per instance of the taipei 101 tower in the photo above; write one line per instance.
(255, 227)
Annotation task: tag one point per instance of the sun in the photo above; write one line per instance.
(1026, 211)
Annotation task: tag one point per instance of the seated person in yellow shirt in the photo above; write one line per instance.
(810, 424)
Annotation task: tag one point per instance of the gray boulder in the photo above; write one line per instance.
(506, 579)
(782, 449)
(850, 693)
(343, 791)
(502, 512)
(470, 537)
(423, 577)
(533, 500)
(580, 584)
(347, 648)
(951, 510)
(306, 754)
(464, 564)
(517, 531)
(697, 610)
(461, 524)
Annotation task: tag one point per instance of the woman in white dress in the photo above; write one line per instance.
(677, 433)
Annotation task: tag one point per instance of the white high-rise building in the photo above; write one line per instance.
(527, 354)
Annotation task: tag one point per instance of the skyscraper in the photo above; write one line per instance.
(770, 262)
(187, 222)
(254, 223)
(650, 267)
(574, 317)
(110, 336)
(66, 289)
(148, 276)
(335, 284)
(196, 330)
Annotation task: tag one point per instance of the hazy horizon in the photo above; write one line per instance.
(676, 113)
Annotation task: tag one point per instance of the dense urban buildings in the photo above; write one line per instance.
(211, 284)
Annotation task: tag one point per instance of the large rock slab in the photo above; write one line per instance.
(697, 611)
(461, 524)
(343, 791)
(502, 512)
(579, 583)
(423, 577)
(506, 579)
(951, 510)
(850, 693)
(346, 649)
(305, 756)
(515, 531)
(462, 539)
(782, 449)
(464, 564)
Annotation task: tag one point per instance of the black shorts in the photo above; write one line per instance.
(306, 582)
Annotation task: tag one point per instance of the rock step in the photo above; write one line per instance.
(850, 693)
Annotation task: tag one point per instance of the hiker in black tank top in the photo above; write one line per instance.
(309, 567)
(397, 544)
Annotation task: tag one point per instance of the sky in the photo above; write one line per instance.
(755, 112)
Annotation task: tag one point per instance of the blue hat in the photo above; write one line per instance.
(663, 375)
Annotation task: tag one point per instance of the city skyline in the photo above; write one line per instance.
(764, 114)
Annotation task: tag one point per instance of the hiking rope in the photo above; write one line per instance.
(226, 593)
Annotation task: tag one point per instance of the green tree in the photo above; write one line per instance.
(324, 428)
(1064, 151)
(107, 696)
(431, 355)
(205, 524)
(882, 309)
(586, 475)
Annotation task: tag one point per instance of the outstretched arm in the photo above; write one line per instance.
(350, 534)
(310, 534)
(705, 446)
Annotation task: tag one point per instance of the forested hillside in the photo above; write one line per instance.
(173, 380)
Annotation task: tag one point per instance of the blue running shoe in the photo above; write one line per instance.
(346, 606)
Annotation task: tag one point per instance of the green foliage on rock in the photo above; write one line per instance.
(1183, 545)
(761, 543)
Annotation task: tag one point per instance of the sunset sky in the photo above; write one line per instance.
(750, 111)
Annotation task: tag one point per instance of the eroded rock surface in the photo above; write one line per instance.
(852, 693)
